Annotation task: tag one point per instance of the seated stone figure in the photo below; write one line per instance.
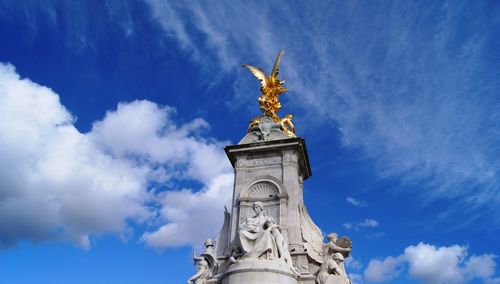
(259, 237)
(255, 240)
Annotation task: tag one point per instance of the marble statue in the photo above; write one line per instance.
(268, 235)
(255, 239)
(259, 237)
(282, 246)
(264, 128)
(221, 243)
(331, 271)
(333, 246)
(202, 273)
(209, 246)
(206, 264)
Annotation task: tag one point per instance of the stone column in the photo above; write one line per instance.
(270, 172)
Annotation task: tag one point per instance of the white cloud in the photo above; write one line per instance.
(356, 278)
(425, 113)
(355, 202)
(191, 217)
(434, 265)
(171, 22)
(353, 263)
(383, 270)
(144, 130)
(437, 265)
(58, 183)
(493, 281)
(348, 226)
(480, 266)
(367, 223)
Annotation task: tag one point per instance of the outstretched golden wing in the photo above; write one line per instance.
(257, 72)
(276, 68)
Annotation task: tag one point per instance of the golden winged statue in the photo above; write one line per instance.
(271, 88)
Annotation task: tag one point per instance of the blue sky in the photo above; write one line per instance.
(114, 115)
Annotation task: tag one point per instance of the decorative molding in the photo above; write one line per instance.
(290, 157)
(257, 162)
(263, 189)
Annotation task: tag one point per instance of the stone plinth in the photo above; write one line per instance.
(259, 271)
(337, 279)
(270, 172)
(268, 236)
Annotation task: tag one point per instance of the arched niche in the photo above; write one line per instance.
(270, 192)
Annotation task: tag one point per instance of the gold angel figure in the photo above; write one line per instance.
(271, 87)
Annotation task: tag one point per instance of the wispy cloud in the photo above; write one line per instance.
(410, 89)
(356, 202)
(376, 235)
(367, 223)
(353, 263)
(419, 99)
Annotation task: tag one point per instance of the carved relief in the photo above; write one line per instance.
(260, 238)
(258, 162)
(263, 190)
(290, 157)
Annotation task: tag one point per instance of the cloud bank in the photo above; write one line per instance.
(57, 183)
(434, 265)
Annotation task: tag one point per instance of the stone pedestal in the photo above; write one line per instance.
(259, 271)
(268, 236)
(271, 172)
(337, 279)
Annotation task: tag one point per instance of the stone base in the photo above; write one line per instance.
(336, 279)
(307, 279)
(258, 272)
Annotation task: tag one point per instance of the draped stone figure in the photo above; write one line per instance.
(259, 237)
(206, 264)
(202, 273)
(333, 246)
(255, 239)
(332, 272)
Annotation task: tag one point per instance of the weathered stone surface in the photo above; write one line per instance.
(337, 279)
(258, 271)
(271, 174)
(265, 130)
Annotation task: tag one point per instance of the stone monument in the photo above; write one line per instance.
(268, 236)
